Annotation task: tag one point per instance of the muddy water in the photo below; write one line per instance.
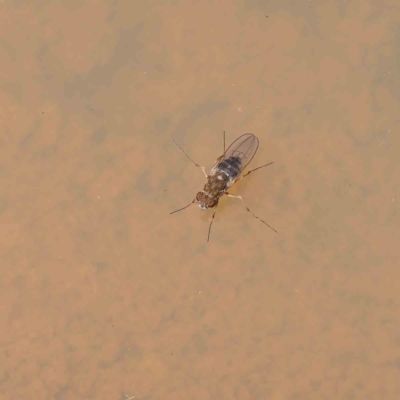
(104, 295)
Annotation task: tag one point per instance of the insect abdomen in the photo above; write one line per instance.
(231, 167)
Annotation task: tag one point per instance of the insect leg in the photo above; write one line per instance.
(224, 143)
(180, 209)
(209, 228)
(255, 169)
(195, 163)
(248, 209)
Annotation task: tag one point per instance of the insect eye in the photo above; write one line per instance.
(211, 203)
(199, 196)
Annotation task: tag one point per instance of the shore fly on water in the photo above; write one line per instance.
(226, 171)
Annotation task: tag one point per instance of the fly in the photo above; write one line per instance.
(226, 171)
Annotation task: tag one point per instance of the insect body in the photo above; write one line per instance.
(225, 172)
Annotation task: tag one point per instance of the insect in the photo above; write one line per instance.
(226, 171)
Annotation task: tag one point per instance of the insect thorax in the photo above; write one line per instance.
(220, 179)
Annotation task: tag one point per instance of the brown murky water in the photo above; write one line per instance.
(106, 296)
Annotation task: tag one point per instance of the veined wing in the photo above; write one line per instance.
(244, 148)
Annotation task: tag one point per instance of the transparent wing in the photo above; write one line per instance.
(244, 147)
